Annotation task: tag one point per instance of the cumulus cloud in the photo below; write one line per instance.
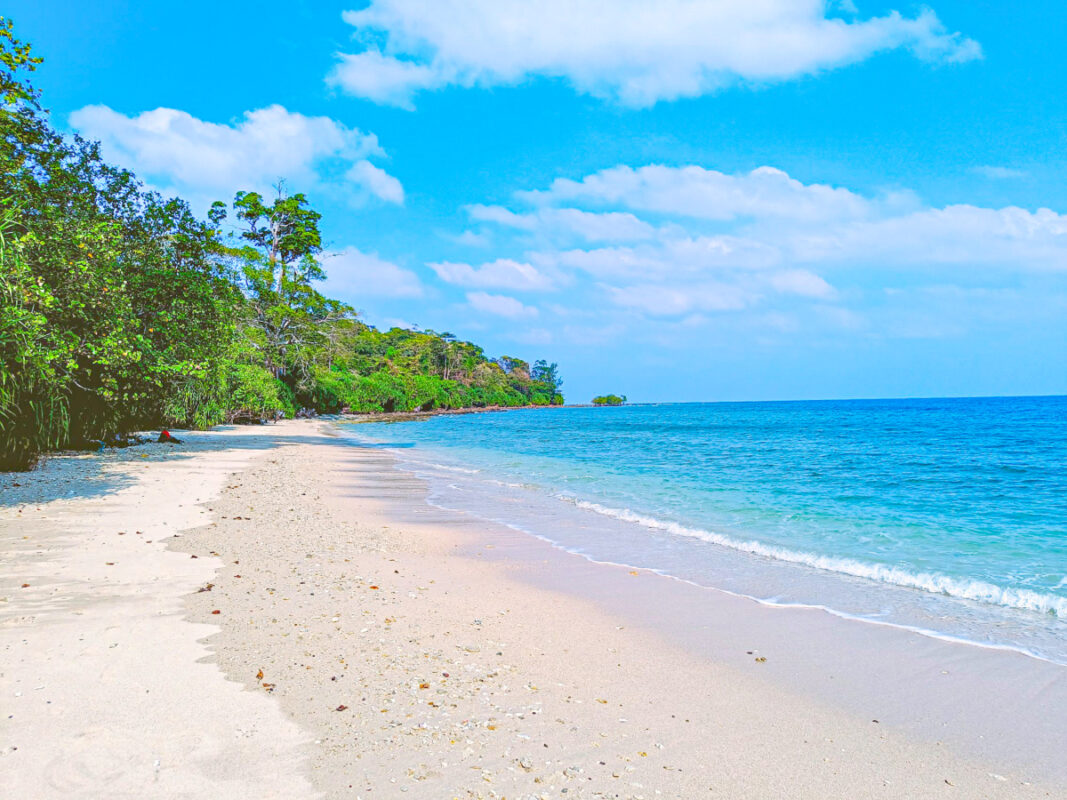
(377, 181)
(694, 191)
(353, 275)
(662, 300)
(633, 51)
(779, 241)
(956, 235)
(500, 305)
(177, 151)
(612, 226)
(773, 218)
(504, 273)
(673, 257)
(383, 79)
(803, 283)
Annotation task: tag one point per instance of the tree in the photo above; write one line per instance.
(111, 296)
(120, 310)
(548, 376)
(288, 319)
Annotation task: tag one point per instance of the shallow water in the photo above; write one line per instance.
(946, 516)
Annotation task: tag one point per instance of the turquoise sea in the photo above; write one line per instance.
(945, 516)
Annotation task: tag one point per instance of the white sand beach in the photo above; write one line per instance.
(271, 612)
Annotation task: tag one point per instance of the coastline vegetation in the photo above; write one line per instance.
(609, 400)
(120, 310)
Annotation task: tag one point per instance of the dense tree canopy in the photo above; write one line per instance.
(121, 310)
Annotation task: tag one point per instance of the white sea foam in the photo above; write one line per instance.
(443, 467)
(975, 590)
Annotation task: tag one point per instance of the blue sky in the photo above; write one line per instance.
(675, 200)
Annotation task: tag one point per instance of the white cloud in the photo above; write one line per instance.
(502, 216)
(774, 219)
(959, 235)
(693, 191)
(353, 275)
(377, 181)
(470, 238)
(383, 79)
(780, 245)
(503, 273)
(633, 51)
(999, 173)
(173, 149)
(500, 305)
(662, 300)
(803, 283)
(673, 257)
(613, 226)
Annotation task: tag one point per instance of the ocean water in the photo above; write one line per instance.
(948, 517)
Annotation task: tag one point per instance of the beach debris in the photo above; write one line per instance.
(259, 675)
(207, 587)
(216, 611)
(761, 659)
(269, 686)
(25, 586)
(374, 587)
(341, 707)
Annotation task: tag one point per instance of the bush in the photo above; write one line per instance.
(254, 392)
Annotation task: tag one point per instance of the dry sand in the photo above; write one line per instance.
(376, 648)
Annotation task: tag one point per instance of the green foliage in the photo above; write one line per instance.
(254, 393)
(120, 310)
(111, 297)
(32, 415)
(609, 400)
(289, 321)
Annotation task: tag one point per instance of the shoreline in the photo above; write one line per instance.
(982, 701)
(401, 416)
(354, 593)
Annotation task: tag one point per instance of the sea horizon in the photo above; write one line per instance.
(824, 400)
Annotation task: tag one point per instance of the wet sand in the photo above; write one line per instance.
(367, 645)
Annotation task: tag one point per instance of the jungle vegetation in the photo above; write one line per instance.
(609, 400)
(120, 310)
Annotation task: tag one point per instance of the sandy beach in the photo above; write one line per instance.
(274, 612)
